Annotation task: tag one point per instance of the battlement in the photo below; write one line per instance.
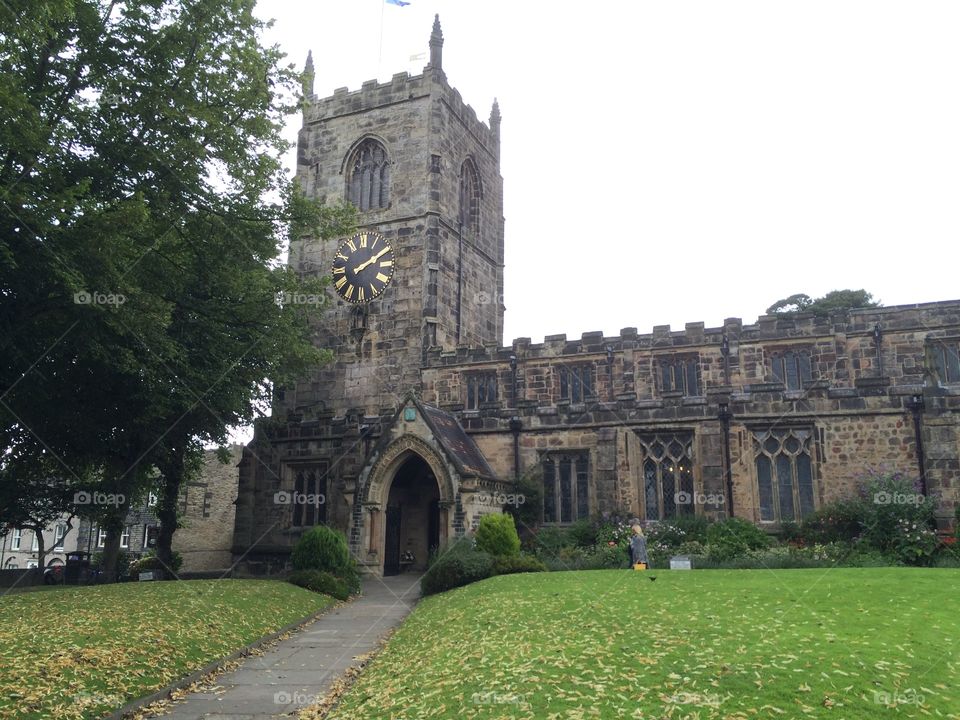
(402, 87)
(930, 318)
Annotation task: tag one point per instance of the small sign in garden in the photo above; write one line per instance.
(146, 576)
(681, 562)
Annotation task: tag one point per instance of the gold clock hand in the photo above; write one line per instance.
(376, 257)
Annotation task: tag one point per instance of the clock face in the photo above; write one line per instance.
(362, 267)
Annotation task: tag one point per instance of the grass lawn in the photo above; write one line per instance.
(730, 644)
(81, 652)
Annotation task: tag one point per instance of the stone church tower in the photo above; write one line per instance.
(424, 172)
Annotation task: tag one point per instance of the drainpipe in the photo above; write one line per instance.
(459, 278)
(515, 425)
(724, 415)
(725, 352)
(915, 405)
(610, 372)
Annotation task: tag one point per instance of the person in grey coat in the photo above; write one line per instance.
(638, 546)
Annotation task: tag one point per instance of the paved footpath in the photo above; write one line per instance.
(299, 670)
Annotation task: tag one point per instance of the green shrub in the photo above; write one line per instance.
(734, 537)
(549, 541)
(839, 521)
(454, 569)
(582, 533)
(517, 564)
(947, 560)
(124, 563)
(497, 535)
(321, 548)
(325, 549)
(530, 487)
(614, 529)
(599, 557)
(912, 543)
(669, 535)
(320, 582)
(691, 547)
(898, 521)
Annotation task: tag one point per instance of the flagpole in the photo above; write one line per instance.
(383, 6)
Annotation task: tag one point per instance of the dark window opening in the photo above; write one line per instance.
(566, 492)
(368, 185)
(576, 382)
(309, 498)
(792, 368)
(784, 475)
(481, 388)
(668, 475)
(470, 197)
(945, 358)
(679, 375)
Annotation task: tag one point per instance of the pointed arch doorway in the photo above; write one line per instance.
(412, 519)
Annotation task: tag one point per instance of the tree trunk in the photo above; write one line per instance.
(172, 470)
(41, 551)
(113, 520)
(111, 554)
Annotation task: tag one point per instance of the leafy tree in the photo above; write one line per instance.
(842, 300)
(831, 302)
(794, 303)
(142, 211)
(35, 502)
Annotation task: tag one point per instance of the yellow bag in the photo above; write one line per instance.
(640, 566)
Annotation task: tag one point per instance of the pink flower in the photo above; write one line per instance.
(611, 543)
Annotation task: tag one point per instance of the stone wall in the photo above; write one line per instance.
(860, 418)
(205, 539)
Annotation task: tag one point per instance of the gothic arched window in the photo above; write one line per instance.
(470, 196)
(368, 182)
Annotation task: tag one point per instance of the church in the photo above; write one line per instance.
(425, 420)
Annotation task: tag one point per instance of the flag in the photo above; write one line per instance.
(400, 3)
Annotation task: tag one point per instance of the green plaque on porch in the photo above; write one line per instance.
(409, 414)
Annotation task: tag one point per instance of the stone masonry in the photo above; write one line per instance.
(404, 449)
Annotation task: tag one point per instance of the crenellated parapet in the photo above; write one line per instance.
(839, 363)
(933, 319)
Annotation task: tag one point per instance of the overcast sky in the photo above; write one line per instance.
(677, 162)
